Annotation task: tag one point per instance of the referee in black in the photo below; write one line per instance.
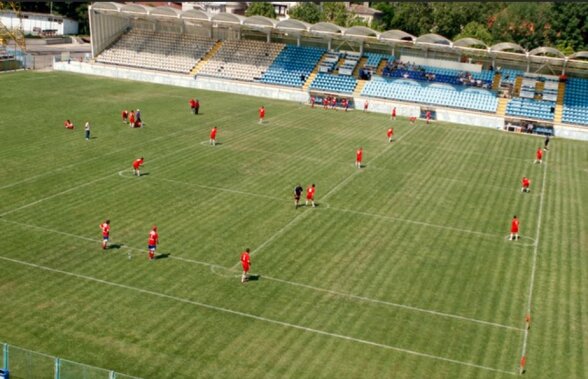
(297, 192)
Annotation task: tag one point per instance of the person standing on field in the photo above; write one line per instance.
(310, 191)
(246, 264)
(213, 136)
(87, 130)
(297, 193)
(105, 226)
(152, 243)
(514, 229)
(390, 134)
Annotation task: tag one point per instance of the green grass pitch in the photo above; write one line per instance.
(402, 271)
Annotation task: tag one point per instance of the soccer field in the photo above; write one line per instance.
(402, 271)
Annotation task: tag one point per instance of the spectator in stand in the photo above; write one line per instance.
(68, 125)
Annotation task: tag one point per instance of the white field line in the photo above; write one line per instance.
(345, 210)
(189, 129)
(96, 180)
(333, 191)
(255, 317)
(318, 289)
(535, 250)
(56, 194)
(421, 223)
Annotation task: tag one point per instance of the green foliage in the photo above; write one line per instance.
(475, 30)
(261, 9)
(569, 25)
(413, 18)
(523, 23)
(336, 13)
(307, 12)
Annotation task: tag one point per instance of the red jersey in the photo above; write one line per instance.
(137, 163)
(192, 103)
(245, 261)
(393, 112)
(514, 225)
(539, 153)
(428, 115)
(261, 112)
(153, 238)
(310, 193)
(390, 132)
(125, 114)
(365, 105)
(526, 182)
(105, 229)
(132, 118)
(359, 155)
(213, 133)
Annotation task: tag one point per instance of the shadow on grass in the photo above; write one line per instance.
(253, 278)
(144, 174)
(115, 246)
(162, 256)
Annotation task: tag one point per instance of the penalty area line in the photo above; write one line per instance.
(213, 267)
(255, 317)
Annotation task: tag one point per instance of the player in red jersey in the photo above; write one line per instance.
(514, 228)
(261, 114)
(539, 155)
(526, 183)
(125, 116)
(132, 119)
(310, 195)
(412, 119)
(358, 157)
(192, 103)
(105, 226)
(137, 165)
(68, 125)
(390, 134)
(213, 136)
(428, 117)
(153, 241)
(365, 106)
(393, 115)
(246, 263)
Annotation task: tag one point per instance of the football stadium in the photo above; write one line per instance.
(247, 197)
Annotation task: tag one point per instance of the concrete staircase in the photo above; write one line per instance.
(359, 87)
(558, 114)
(360, 64)
(380, 69)
(206, 58)
(339, 64)
(517, 86)
(496, 81)
(313, 74)
(501, 108)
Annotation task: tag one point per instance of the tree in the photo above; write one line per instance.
(336, 13)
(261, 9)
(475, 30)
(413, 18)
(385, 21)
(307, 12)
(524, 23)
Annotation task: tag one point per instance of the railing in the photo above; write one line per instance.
(24, 363)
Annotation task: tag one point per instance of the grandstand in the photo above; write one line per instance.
(257, 55)
(242, 60)
(157, 50)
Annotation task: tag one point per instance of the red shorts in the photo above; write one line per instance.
(514, 230)
(245, 267)
(309, 197)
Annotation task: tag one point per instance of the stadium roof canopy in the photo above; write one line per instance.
(329, 31)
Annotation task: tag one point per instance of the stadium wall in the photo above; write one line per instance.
(275, 92)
